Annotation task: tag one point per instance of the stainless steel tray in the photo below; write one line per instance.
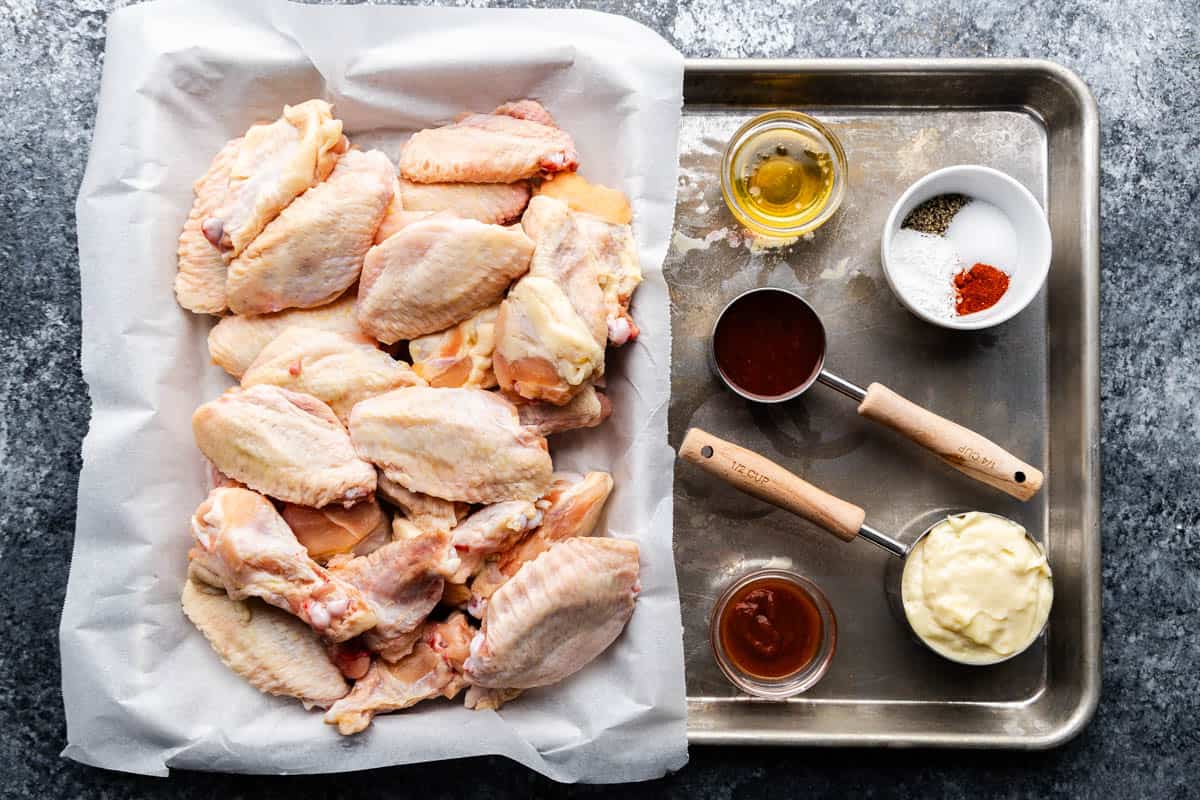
(1031, 384)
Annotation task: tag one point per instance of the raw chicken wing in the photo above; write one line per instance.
(313, 251)
(200, 282)
(581, 196)
(236, 341)
(564, 254)
(458, 356)
(487, 148)
(479, 698)
(435, 273)
(457, 444)
(585, 410)
(333, 530)
(572, 506)
(275, 652)
(275, 164)
(396, 216)
(493, 203)
(352, 658)
(616, 258)
(425, 512)
(544, 350)
(219, 480)
(552, 328)
(558, 613)
(284, 444)
(245, 547)
(531, 110)
(433, 668)
(395, 207)
(402, 581)
(491, 530)
(332, 368)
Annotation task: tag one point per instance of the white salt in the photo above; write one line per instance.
(983, 234)
(923, 267)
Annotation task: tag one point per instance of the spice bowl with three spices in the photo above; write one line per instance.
(966, 247)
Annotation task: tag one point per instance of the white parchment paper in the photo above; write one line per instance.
(143, 690)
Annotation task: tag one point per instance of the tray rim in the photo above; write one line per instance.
(1088, 194)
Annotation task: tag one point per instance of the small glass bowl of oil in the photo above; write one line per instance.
(783, 174)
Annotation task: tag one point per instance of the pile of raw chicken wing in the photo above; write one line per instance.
(386, 525)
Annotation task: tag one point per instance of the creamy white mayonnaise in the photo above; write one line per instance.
(976, 589)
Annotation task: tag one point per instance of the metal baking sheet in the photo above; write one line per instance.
(1031, 384)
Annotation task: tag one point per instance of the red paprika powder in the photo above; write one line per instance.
(978, 288)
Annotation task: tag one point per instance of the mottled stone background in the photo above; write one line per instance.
(1142, 60)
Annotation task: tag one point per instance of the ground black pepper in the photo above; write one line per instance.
(934, 215)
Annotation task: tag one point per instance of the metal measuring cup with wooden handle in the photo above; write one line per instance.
(795, 359)
(759, 476)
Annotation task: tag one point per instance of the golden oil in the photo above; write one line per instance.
(783, 174)
(781, 177)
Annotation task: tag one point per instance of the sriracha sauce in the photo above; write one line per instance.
(771, 628)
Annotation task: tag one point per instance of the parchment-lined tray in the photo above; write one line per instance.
(1031, 384)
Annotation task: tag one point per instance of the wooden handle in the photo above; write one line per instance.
(746, 470)
(961, 448)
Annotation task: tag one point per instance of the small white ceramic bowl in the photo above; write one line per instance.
(1023, 211)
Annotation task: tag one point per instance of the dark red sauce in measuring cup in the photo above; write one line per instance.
(769, 343)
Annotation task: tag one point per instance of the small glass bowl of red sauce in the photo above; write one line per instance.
(773, 633)
(767, 345)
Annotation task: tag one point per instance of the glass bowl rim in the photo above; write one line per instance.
(797, 120)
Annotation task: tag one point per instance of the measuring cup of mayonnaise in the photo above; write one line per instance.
(975, 588)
